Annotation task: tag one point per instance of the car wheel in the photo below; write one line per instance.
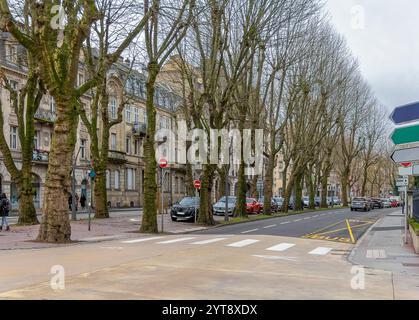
(352, 209)
(174, 219)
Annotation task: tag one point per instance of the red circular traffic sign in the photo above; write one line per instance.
(197, 184)
(163, 163)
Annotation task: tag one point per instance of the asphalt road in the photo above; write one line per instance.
(331, 225)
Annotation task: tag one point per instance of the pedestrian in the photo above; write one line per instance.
(70, 201)
(83, 201)
(77, 202)
(4, 211)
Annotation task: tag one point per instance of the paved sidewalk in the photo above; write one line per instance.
(120, 225)
(383, 248)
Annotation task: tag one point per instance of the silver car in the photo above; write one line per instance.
(220, 207)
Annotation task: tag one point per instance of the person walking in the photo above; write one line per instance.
(4, 211)
(83, 201)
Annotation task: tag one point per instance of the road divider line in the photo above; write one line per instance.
(242, 243)
(271, 226)
(350, 231)
(320, 251)
(286, 222)
(142, 240)
(209, 241)
(281, 247)
(176, 240)
(248, 231)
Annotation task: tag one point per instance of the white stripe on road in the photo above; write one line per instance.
(142, 240)
(298, 220)
(275, 257)
(321, 251)
(242, 243)
(271, 226)
(176, 240)
(209, 241)
(286, 222)
(315, 216)
(281, 247)
(307, 218)
(248, 231)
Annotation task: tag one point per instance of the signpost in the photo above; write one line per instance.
(404, 155)
(404, 135)
(92, 175)
(197, 185)
(405, 114)
(163, 164)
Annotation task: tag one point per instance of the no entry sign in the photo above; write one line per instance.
(197, 184)
(163, 163)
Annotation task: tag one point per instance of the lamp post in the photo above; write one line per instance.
(73, 188)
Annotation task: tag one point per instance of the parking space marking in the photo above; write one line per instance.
(321, 251)
(142, 240)
(176, 240)
(281, 247)
(248, 231)
(209, 241)
(242, 243)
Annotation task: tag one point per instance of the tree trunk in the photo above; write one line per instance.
(298, 191)
(324, 181)
(205, 216)
(364, 182)
(101, 197)
(287, 194)
(27, 211)
(311, 190)
(267, 197)
(241, 193)
(149, 221)
(345, 183)
(190, 190)
(55, 226)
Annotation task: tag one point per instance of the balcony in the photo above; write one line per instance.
(40, 156)
(117, 157)
(45, 116)
(139, 129)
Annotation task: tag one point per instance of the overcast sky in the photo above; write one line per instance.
(384, 36)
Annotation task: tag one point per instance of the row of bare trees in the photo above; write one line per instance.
(277, 65)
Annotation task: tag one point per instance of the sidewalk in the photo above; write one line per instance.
(118, 226)
(383, 248)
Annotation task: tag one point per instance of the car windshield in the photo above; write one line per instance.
(189, 201)
(359, 199)
(230, 199)
(250, 200)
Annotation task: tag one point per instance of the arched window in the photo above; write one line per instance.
(108, 179)
(117, 179)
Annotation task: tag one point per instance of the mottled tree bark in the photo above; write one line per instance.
(205, 209)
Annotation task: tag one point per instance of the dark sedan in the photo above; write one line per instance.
(185, 209)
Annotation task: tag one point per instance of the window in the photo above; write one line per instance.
(13, 84)
(117, 180)
(37, 139)
(128, 114)
(130, 173)
(113, 141)
(83, 149)
(80, 79)
(108, 179)
(142, 93)
(144, 116)
(137, 147)
(13, 137)
(112, 108)
(11, 54)
(136, 115)
(128, 146)
(52, 105)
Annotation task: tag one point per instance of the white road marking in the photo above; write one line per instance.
(321, 251)
(142, 240)
(298, 220)
(286, 222)
(112, 248)
(135, 220)
(209, 241)
(271, 226)
(242, 243)
(315, 216)
(323, 214)
(275, 257)
(376, 254)
(281, 247)
(248, 231)
(176, 240)
(307, 218)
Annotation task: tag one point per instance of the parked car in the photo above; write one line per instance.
(394, 203)
(386, 203)
(291, 203)
(336, 201)
(306, 201)
(317, 201)
(220, 207)
(252, 206)
(371, 204)
(377, 203)
(185, 209)
(279, 201)
(274, 205)
(360, 204)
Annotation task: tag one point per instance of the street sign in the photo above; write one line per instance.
(406, 171)
(197, 184)
(406, 113)
(406, 164)
(163, 163)
(402, 182)
(404, 135)
(92, 174)
(405, 155)
(402, 189)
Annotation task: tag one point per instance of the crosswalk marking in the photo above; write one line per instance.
(176, 240)
(281, 247)
(209, 241)
(376, 254)
(248, 231)
(321, 251)
(142, 240)
(242, 243)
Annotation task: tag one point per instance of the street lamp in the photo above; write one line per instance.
(73, 188)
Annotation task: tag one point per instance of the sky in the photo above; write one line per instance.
(384, 36)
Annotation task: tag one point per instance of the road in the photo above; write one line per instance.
(223, 263)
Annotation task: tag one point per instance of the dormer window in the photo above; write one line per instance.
(11, 53)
